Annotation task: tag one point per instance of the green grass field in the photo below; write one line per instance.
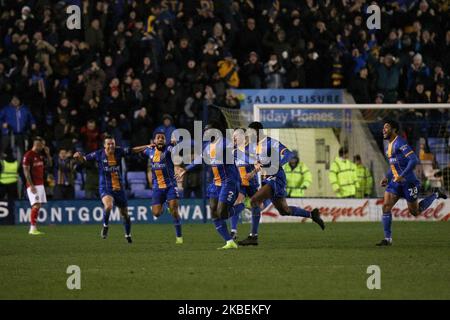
(293, 261)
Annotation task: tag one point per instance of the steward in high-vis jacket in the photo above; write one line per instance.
(298, 177)
(342, 176)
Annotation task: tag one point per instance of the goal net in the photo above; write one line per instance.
(317, 132)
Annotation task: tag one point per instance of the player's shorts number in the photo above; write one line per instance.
(413, 192)
(230, 195)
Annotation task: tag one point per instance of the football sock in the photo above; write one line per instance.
(34, 216)
(106, 214)
(222, 229)
(256, 217)
(425, 203)
(127, 225)
(298, 212)
(177, 225)
(235, 218)
(387, 222)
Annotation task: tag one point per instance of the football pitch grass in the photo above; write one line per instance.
(292, 261)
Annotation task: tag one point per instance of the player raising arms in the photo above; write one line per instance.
(111, 186)
(223, 191)
(33, 170)
(400, 180)
(273, 185)
(163, 180)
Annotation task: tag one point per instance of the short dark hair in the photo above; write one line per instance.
(342, 151)
(256, 125)
(38, 138)
(107, 136)
(394, 124)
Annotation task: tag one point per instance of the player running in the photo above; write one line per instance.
(111, 185)
(163, 180)
(223, 191)
(400, 180)
(33, 170)
(249, 181)
(273, 185)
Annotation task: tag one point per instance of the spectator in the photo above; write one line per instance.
(249, 40)
(90, 136)
(167, 127)
(296, 76)
(439, 94)
(418, 71)
(228, 70)
(142, 127)
(64, 134)
(419, 95)
(168, 98)
(388, 76)
(364, 178)
(360, 87)
(274, 72)
(17, 121)
(252, 72)
(9, 176)
(298, 177)
(94, 35)
(64, 176)
(314, 70)
(342, 175)
(94, 79)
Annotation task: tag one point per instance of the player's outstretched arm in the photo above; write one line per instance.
(79, 157)
(139, 149)
(179, 176)
(286, 155)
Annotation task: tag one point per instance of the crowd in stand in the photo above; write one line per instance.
(135, 65)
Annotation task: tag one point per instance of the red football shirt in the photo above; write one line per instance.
(36, 163)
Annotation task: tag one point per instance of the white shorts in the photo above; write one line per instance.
(39, 197)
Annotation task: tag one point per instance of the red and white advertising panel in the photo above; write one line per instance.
(337, 210)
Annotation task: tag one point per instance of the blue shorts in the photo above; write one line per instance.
(278, 186)
(160, 196)
(120, 197)
(248, 191)
(227, 193)
(406, 190)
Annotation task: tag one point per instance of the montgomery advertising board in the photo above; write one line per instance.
(192, 211)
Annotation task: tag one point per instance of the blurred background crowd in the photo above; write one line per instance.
(138, 65)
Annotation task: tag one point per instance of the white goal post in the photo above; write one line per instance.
(349, 128)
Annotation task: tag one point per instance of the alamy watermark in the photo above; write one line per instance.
(374, 280)
(74, 280)
(74, 19)
(374, 20)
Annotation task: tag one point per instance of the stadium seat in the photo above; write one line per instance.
(136, 177)
(137, 186)
(143, 194)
